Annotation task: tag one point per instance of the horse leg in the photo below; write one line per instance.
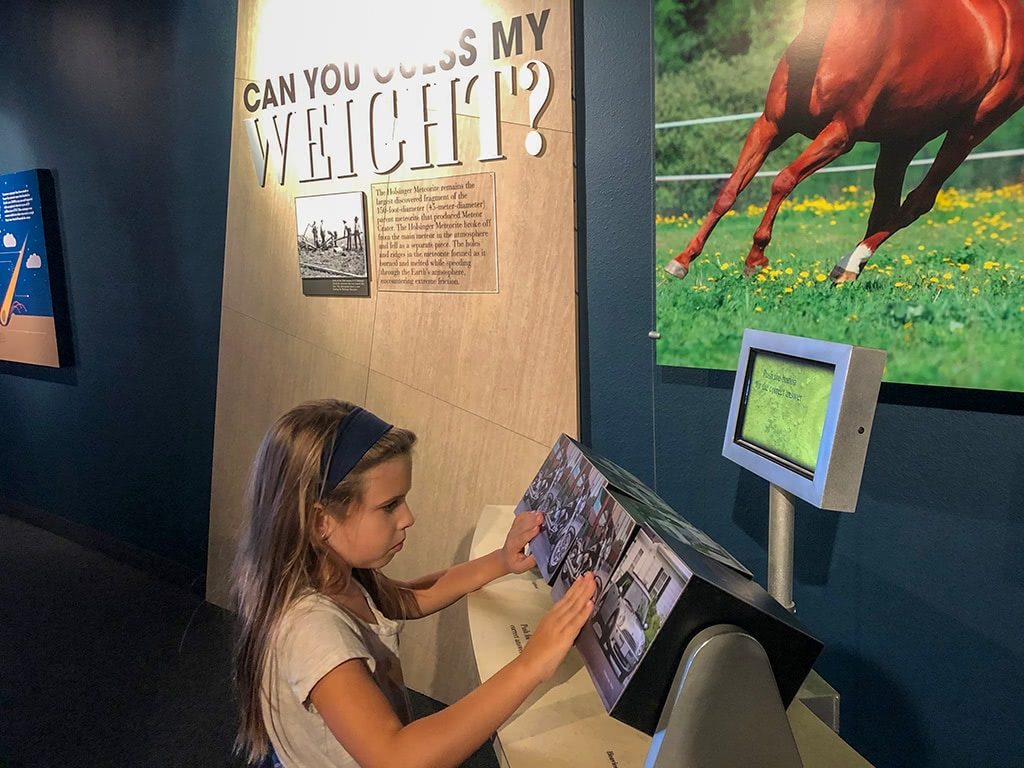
(890, 171)
(833, 141)
(955, 148)
(762, 138)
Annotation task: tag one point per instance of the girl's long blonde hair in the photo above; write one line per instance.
(280, 556)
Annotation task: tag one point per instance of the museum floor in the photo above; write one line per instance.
(102, 664)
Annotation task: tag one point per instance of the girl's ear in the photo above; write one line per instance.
(324, 522)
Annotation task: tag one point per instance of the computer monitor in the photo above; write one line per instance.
(801, 415)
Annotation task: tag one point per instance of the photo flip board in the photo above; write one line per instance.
(567, 490)
(660, 581)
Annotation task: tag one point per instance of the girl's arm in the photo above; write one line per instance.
(360, 718)
(441, 589)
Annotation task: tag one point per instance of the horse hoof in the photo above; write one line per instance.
(840, 275)
(749, 270)
(676, 269)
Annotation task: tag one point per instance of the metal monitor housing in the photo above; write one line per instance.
(835, 483)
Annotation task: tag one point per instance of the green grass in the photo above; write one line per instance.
(653, 624)
(944, 297)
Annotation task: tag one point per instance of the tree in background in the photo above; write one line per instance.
(713, 58)
(686, 30)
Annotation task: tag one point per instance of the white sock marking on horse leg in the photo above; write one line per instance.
(856, 260)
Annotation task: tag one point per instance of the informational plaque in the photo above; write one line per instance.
(32, 310)
(437, 234)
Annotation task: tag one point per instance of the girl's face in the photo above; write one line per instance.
(373, 531)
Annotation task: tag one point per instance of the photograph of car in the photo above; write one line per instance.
(579, 500)
(643, 590)
(568, 538)
(548, 476)
(594, 544)
(547, 486)
(563, 488)
(621, 623)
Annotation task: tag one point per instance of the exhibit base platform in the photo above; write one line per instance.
(564, 722)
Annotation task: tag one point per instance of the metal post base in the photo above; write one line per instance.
(724, 709)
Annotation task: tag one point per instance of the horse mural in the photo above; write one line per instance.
(896, 72)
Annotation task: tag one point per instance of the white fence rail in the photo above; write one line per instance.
(827, 169)
(707, 120)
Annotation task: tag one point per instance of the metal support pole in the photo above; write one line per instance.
(780, 546)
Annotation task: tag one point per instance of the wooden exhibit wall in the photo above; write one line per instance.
(487, 380)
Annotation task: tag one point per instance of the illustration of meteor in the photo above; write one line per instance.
(6, 308)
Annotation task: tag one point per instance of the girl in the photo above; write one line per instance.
(316, 662)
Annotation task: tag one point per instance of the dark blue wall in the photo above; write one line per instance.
(130, 105)
(917, 595)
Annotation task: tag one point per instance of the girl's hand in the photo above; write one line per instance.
(557, 631)
(524, 528)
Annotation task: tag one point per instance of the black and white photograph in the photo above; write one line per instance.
(579, 497)
(332, 245)
(593, 542)
(643, 591)
(542, 491)
(566, 489)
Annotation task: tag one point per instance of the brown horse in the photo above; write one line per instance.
(896, 72)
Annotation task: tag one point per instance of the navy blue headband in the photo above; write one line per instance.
(358, 432)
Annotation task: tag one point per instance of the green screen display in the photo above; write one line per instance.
(784, 412)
